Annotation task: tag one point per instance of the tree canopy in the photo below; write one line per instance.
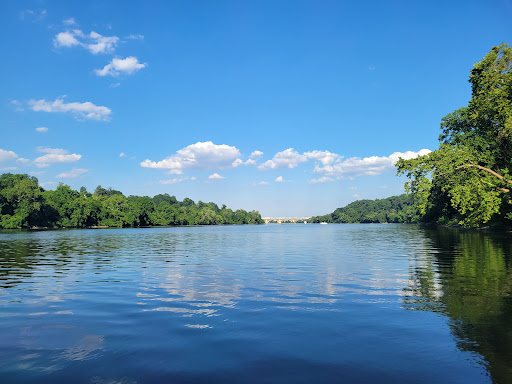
(395, 209)
(468, 178)
(24, 204)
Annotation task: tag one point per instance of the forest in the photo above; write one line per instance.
(25, 204)
(395, 209)
(468, 180)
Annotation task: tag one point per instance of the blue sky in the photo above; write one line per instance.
(290, 108)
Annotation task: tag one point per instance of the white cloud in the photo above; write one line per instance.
(256, 155)
(325, 157)
(41, 129)
(93, 42)
(17, 105)
(136, 37)
(75, 172)
(288, 158)
(122, 154)
(117, 66)
(65, 39)
(56, 151)
(373, 165)
(101, 44)
(279, 179)
(215, 176)
(177, 180)
(21, 160)
(202, 155)
(323, 179)
(85, 110)
(55, 155)
(263, 183)
(7, 155)
(69, 21)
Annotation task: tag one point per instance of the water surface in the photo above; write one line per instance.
(271, 303)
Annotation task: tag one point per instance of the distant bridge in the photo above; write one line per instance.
(285, 220)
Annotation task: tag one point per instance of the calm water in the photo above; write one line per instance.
(252, 304)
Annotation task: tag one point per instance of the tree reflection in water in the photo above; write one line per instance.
(468, 277)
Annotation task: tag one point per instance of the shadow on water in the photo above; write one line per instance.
(468, 277)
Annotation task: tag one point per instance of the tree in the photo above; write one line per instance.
(23, 204)
(20, 201)
(471, 170)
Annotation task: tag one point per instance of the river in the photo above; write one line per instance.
(351, 303)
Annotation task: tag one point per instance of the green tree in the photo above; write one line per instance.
(61, 200)
(471, 170)
(21, 201)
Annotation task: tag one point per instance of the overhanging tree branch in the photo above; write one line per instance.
(486, 170)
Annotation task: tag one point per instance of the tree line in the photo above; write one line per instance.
(468, 179)
(395, 209)
(25, 204)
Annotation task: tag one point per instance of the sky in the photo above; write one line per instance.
(291, 108)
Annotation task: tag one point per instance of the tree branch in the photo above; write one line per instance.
(486, 170)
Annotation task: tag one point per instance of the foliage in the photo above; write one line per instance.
(396, 209)
(24, 204)
(468, 179)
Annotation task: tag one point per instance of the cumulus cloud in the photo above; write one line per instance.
(334, 165)
(279, 179)
(373, 165)
(117, 66)
(21, 160)
(7, 155)
(41, 129)
(253, 158)
(237, 162)
(75, 172)
(325, 157)
(93, 42)
(55, 155)
(85, 110)
(201, 155)
(215, 176)
(65, 39)
(288, 158)
(256, 155)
